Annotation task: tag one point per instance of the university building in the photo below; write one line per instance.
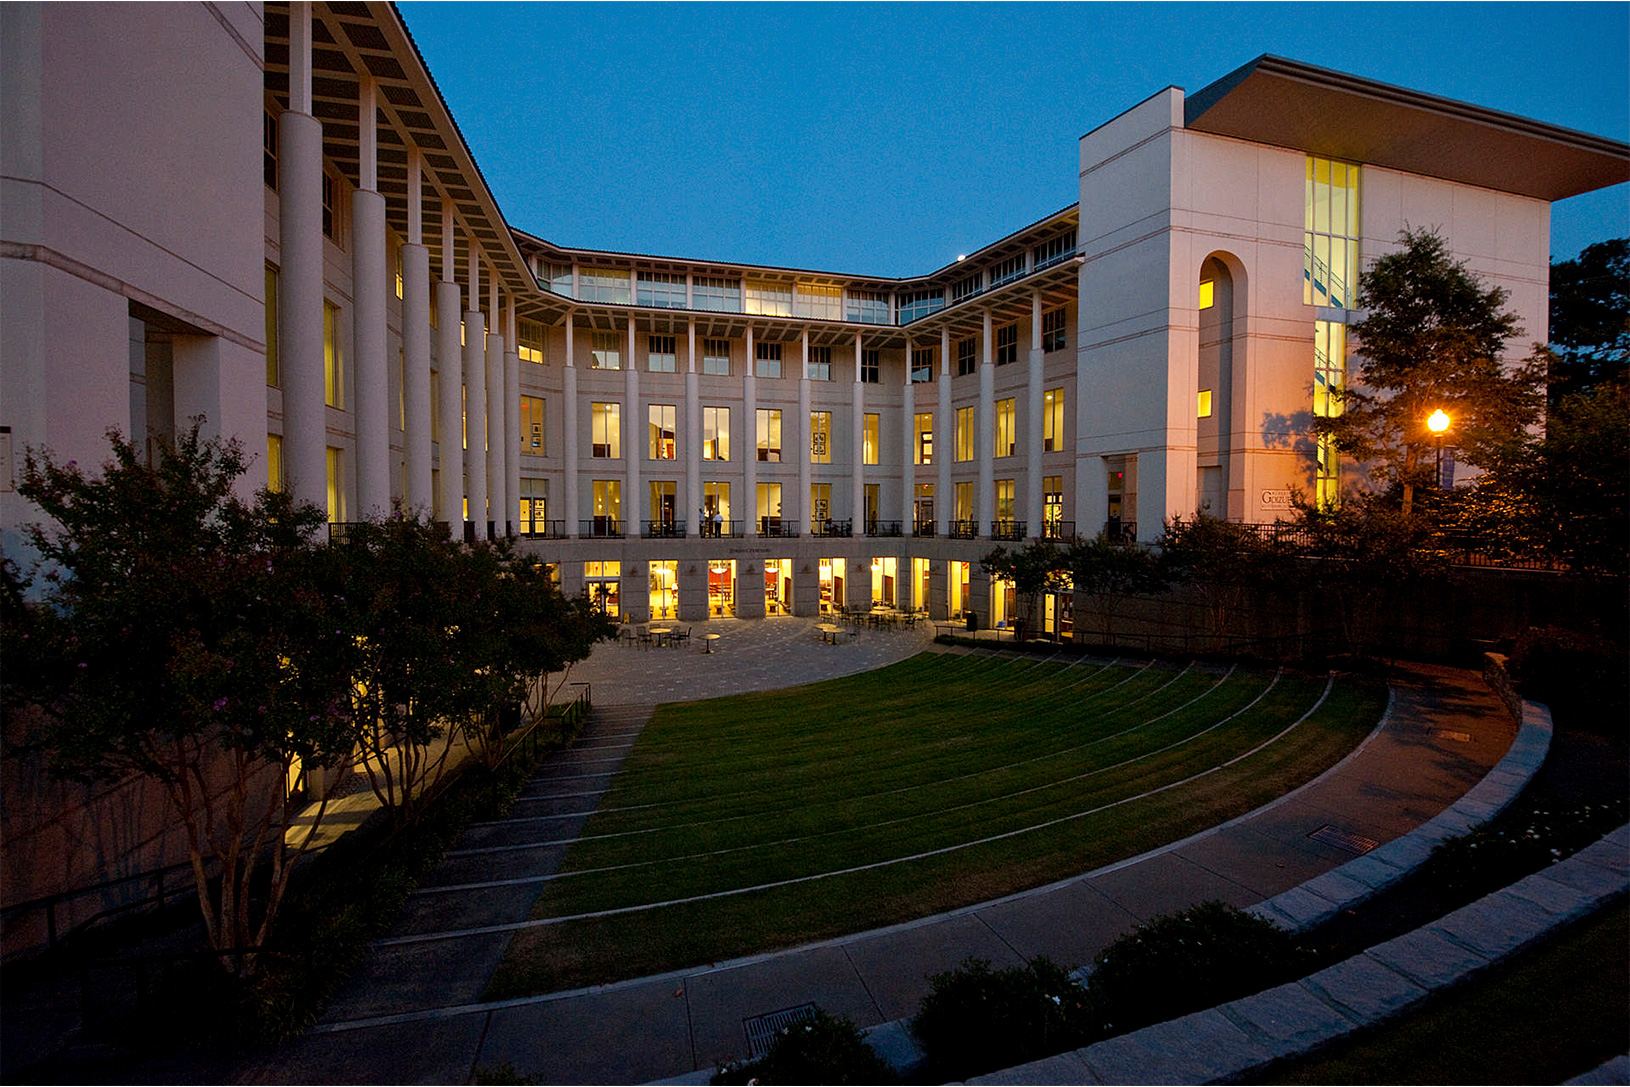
(267, 216)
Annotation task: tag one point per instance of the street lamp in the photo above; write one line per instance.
(1437, 423)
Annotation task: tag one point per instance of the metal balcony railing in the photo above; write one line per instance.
(602, 527)
(665, 530)
(1007, 530)
(1058, 530)
(882, 528)
(829, 527)
(923, 528)
(964, 530)
(544, 530)
(779, 527)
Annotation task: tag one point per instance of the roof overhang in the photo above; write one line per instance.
(1288, 104)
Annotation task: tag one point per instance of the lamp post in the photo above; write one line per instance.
(1437, 423)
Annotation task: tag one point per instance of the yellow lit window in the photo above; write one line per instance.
(1208, 294)
(333, 358)
(1205, 403)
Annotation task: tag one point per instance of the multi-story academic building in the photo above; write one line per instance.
(268, 217)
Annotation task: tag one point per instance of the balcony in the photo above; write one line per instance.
(1058, 530)
(1119, 531)
(664, 530)
(875, 527)
(603, 527)
(544, 530)
(778, 527)
(730, 530)
(1007, 530)
(829, 527)
(964, 530)
(923, 529)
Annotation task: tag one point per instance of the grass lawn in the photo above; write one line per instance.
(1552, 1013)
(765, 820)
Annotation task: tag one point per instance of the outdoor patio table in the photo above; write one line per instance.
(661, 634)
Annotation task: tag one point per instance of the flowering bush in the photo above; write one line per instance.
(1498, 855)
(976, 1019)
(1187, 961)
(820, 1048)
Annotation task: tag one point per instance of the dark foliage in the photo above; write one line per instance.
(976, 1019)
(820, 1048)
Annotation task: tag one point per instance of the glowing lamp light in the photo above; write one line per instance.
(1438, 422)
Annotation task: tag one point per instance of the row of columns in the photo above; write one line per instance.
(944, 429)
(478, 463)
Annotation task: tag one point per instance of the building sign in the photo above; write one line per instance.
(1276, 499)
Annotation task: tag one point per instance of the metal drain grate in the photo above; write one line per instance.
(1457, 737)
(1352, 843)
(762, 1029)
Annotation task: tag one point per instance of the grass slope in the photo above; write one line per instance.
(764, 820)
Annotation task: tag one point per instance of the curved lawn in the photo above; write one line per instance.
(764, 820)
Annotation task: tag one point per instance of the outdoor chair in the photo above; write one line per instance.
(646, 641)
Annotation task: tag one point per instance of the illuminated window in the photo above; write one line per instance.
(769, 507)
(274, 462)
(529, 341)
(1208, 294)
(663, 496)
(1052, 330)
(820, 505)
(660, 355)
(1052, 421)
(964, 501)
(771, 299)
(1006, 426)
(660, 444)
(820, 363)
(820, 302)
(607, 353)
(333, 358)
(768, 359)
(1330, 239)
(1205, 404)
(604, 285)
(336, 484)
(769, 434)
(272, 376)
(1004, 499)
(925, 437)
(608, 506)
(534, 511)
(532, 425)
(967, 434)
(820, 437)
(1329, 372)
(716, 499)
(966, 357)
(1007, 344)
(1052, 499)
(716, 357)
(396, 261)
(715, 433)
(606, 421)
(868, 443)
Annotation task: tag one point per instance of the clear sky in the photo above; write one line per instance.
(886, 139)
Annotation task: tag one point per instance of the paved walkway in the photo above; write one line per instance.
(411, 1014)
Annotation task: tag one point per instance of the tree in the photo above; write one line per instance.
(1033, 569)
(1432, 338)
(179, 637)
(1222, 560)
(1106, 571)
(1590, 318)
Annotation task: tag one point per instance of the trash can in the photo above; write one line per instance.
(973, 621)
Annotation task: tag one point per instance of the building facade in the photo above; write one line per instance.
(266, 216)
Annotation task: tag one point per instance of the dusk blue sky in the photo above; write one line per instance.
(886, 139)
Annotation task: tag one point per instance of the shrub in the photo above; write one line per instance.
(1505, 851)
(976, 1019)
(819, 1048)
(1583, 676)
(1188, 961)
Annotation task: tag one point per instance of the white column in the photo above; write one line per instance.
(449, 384)
(908, 437)
(944, 440)
(416, 344)
(800, 510)
(368, 286)
(693, 427)
(512, 424)
(1032, 431)
(570, 409)
(749, 400)
(633, 441)
(496, 468)
(984, 506)
(300, 275)
(857, 445)
(475, 397)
